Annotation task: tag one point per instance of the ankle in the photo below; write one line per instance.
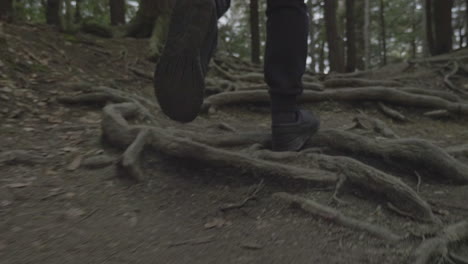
(283, 109)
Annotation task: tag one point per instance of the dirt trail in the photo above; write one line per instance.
(62, 202)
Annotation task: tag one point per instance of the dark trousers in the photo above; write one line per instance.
(286, 45)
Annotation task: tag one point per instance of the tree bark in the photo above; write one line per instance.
(78, 16)
(117, 12)
(429, 26)
(255, 31)
(466, 23)
(367, 43)
(350, 37)
(425, 29)
(359, 15)
(383, 33)
(6, 10)
(443, 30)
(310, 7)
(336, 61)
(53, 12)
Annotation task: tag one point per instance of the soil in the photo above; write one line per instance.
(53, 209)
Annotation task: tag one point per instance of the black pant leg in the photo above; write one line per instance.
(286, 46)
(222, 6)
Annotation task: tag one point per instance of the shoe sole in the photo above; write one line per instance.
(298, 140)
(179, 78)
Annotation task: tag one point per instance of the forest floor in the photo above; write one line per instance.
(61, 200)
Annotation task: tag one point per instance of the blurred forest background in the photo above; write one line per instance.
(345, 35)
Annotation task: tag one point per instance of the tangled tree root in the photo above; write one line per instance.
(376, 94)
(365, 177)
(438, 247)
(356, 82)
(335, 216)
(321, 169)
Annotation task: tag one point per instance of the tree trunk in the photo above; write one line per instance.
(443, 30)
(414, 26)
(334, 57)
(359, 15)
(117, 12)
(310, 7)
(350, 37)
(255, 31)
(383, 33)
(366, 30)
(6, 10)
(429, 27)
(78, 16)
(425, 29)
(68, 20)
(466, 23)
(322, 56)
(53, 12)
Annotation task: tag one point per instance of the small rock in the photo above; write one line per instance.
(251, 246)
(97, 162)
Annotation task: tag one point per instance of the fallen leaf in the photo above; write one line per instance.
(75, 164)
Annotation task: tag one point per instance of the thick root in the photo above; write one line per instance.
(368, 178)
(117, 131)
(439, 246)
(356, 82)
(335, 216)
(376, 94)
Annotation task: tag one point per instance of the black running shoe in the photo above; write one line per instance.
(293, 136)
(179, 79)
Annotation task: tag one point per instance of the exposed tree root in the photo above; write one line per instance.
(412, 153)
(356, 82)
(449, 83)
(13, 157)
(438, 247)
(379, 94)
(442, 94)
(374, 124)
(252, 196)
(367, 178)
(335, 216)
(129, 164)
(394, 114)
(458, 151)
(306, 85)
(120, 133)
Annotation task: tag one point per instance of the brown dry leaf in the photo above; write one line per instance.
(216, 222)
(75, 164)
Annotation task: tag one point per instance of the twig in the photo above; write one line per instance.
(194, 241)
(419, 181)
(251, 196)
(394, 114)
